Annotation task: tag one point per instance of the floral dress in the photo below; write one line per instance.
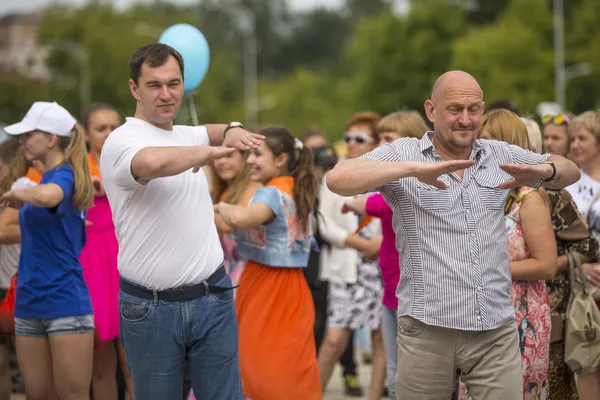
(532, 312)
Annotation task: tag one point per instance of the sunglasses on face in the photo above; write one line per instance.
(360, 138)
(558, 119)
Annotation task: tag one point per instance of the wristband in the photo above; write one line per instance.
(553, 171)
(232, 125)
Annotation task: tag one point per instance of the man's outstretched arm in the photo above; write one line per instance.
(356, 176)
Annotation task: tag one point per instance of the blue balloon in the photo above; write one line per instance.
(192, 45)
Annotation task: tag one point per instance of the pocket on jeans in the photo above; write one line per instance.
(409, 326)
(223, 298)
(134, 311)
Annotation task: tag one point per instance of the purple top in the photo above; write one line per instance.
(389, 261)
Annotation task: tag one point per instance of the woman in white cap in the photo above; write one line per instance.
(54, 321)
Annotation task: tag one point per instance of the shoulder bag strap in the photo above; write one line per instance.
(574, 262)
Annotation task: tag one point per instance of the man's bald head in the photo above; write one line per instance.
(455, 110)
(454, 79)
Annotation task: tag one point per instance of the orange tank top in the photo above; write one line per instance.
(94, 168)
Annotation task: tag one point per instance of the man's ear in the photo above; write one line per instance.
(430, 110)
(134, 90)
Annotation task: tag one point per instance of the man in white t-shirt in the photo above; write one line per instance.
(176, 301)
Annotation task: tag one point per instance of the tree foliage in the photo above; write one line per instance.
(317, 67)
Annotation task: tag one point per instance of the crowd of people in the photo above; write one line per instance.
(212, 262)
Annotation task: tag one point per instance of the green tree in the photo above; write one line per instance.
(305, 98)
(582, 44)
(110, 37)
(362, 8)
(512, 58)
(397, 59)
(317, 39)
(17, 95)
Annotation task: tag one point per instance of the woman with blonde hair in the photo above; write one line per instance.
(532, 252)
(536, 141)
(54, 322)
(400, 124)
(585, 151)
(393, 126)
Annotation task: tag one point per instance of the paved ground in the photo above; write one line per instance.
(335, 390)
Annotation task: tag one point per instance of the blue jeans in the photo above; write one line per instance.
(158, 336)
(389, 330)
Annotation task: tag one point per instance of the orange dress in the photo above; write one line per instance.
(276, 342)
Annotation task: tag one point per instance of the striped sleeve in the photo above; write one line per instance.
(395, 152)
(398, 151)
(522, 156)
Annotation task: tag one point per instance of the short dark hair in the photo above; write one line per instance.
(367, 118)
(153, 54)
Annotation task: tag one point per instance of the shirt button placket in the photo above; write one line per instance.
(473, 250)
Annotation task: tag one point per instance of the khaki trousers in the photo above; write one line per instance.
(429, 356)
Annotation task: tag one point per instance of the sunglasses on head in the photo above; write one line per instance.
(361, 138)
(558, 119)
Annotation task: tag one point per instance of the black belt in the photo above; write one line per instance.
(182, 293)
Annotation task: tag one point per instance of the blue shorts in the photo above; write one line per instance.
(55, 326)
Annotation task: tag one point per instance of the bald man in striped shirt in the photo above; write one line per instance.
(448, 192)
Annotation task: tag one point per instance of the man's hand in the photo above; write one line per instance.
(242, 140)
(210, 153)
(525, 174)
(11, 199)
(429, 172)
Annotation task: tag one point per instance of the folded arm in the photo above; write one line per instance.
(357, 175)
(158, 162)
(539, 238)
(10, 233)
(244, 217)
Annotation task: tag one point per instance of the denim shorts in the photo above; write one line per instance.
(55, 326)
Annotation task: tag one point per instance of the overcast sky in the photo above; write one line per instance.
(10, 6)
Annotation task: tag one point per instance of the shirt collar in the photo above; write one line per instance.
(426, 143)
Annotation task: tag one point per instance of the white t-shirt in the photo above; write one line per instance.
(583, 193)
(165, 228)
(10, 253)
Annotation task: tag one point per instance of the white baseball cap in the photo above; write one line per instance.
(46, 117)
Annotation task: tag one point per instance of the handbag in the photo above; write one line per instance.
(594, 290)
(582, 324)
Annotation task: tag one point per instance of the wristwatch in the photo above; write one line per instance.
(232, 125)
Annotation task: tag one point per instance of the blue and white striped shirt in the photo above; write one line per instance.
(455, 270)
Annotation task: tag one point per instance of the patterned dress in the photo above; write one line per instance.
(572, 234)
(532, 311)
(358, 305)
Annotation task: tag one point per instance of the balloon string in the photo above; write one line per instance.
(192, 107)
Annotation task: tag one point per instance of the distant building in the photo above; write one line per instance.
(19, 46)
